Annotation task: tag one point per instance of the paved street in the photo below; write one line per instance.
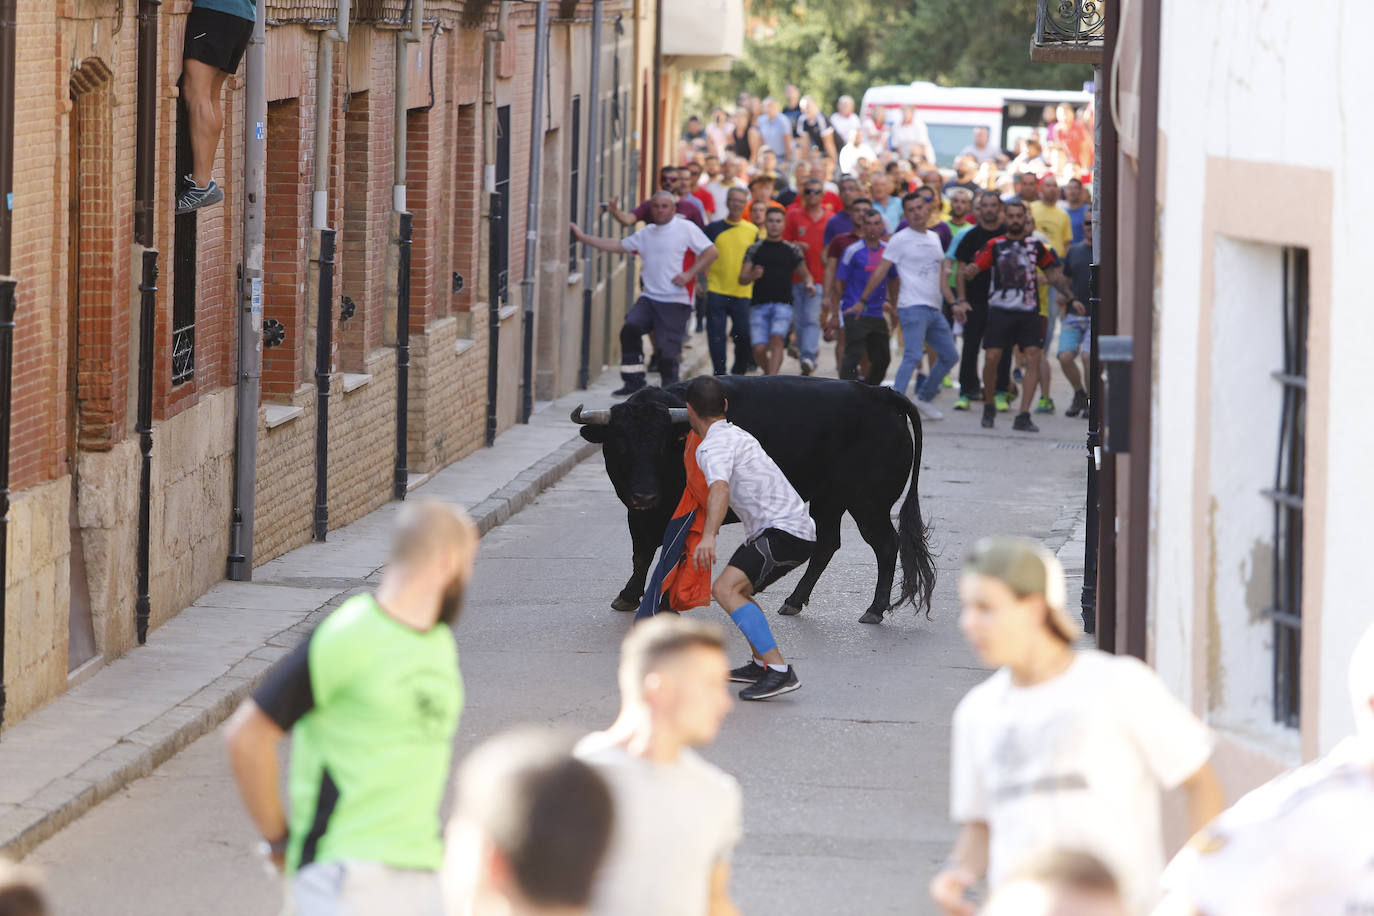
(844, 781)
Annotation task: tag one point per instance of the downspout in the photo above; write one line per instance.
(541, 56)
(147, 290)
(1142, 346)
(593, 163)
(248, 384)
(494, 213)
(653, 165)
(403, 221)
(319, 222)
(145, 135)
(7, 303)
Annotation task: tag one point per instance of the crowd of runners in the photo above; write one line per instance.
(874, 245)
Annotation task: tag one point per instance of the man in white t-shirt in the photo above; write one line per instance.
(665, 306)
(1301, 845)
(779, 532)
(678, 818)
(845, 121)
(923, 289)
(1060, 748)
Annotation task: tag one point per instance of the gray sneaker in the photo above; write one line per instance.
(193, 198)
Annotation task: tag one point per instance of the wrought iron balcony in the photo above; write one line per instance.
(1069, 30)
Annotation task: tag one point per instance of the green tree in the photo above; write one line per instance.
(833, 47)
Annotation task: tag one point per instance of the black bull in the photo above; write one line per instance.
(846, 447)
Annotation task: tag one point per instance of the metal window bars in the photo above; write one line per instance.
(1287, 494)
(1069, 30)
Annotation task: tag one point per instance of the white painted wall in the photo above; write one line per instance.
(1287, 84)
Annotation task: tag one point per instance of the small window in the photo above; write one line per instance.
(184, 260)
(574, 164)
(1287, 493)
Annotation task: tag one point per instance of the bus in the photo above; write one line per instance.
(952, 112)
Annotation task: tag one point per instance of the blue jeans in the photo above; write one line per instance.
(806, 318)
(719, 307)
(922, 324)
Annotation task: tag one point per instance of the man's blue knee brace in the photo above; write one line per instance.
(754, 625)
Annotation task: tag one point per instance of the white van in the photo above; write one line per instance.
(951, 113)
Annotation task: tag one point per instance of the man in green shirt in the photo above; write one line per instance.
(371, 699)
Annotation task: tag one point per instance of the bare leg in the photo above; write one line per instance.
(990, 361)
(761, 357)
(200, 88)
(1046, 374)
(1033, 355)
(1070, 366)
(774, 355)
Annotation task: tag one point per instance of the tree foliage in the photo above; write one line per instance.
(833, 47)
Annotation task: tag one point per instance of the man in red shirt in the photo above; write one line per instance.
(806, 227)
(694, 186)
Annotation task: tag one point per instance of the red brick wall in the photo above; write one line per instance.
(284, 252)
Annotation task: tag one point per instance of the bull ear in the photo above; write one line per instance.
(595, 434)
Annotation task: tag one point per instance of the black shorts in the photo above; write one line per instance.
(770, 556)
(1007, 328)
(216, 38)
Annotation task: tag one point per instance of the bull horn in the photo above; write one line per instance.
(591, 417)
(677, 414)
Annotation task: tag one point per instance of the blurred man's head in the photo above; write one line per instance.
(434, 549)
(801, 171)
(1058, 883)
(916, 209)
(1049, 190)
(1017, 219)
(793, 95)
(736, 200)
(880, 185)
(857, 208)
(965, 167)
(771, 107)
(711, 165)
(980, 137)
(1073, 192)
(1027, 186)
(1013, 595)
(530, 826)
(675, 669)
(693, 171)
(774, 221)
(989, 209)
(872, 226)
(845, 105)
(849, 189)
(757, 209)
(1065, 113)
(21, 890)
(662, 207)
(761, 187)
(960, 203)
(667, 178)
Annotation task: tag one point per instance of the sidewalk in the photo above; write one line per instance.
(143, 707)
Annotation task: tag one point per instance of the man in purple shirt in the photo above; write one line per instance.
(685, 204)
(865, 319)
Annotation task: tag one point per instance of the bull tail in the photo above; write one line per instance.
(913, 534)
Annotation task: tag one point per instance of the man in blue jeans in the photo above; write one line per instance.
(727, 297)
(922, 289)
(768, 265)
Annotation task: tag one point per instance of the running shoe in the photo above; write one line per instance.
(1044, 405)
(1023, 424)
(1001, 402)
(772, 684)
(961, 404)
(989, 416)
(928, 410)
(1017, 375)
(193, 198)
(947, 382)
(1079, 405)
(748, 674)
(808, 366)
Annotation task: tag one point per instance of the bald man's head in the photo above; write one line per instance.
(435, 538)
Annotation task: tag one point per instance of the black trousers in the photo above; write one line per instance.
(970, 379)
(866, 334)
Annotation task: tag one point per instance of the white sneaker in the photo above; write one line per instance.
(808, 366)
(928, 410)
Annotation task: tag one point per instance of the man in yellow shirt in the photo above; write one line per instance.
(726, 297)
(1054, 223)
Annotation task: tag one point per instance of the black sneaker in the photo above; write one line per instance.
(1024, 424)
(989, 416)
(773, 683)
(628, 389)
(654, 363)
(1079, 405)
(748, 674)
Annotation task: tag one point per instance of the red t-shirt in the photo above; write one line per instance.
(707, 201)
(810, 234)
(832, 200)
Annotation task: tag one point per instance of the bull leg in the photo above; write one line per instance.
(827, 542)
(876, 528)
(646, 536)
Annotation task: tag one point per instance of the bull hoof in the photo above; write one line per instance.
(872, 617)
(621, 603)
(788, 610)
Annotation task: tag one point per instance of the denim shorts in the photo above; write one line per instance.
(769, 319)
(1073, 335)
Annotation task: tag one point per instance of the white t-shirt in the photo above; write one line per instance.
(1078, 762)
(718, 191)
(760, 493)
(844, 124)
(910, 137)
(662, 249)
(917, 255)
(674, 823)
(1300, 845)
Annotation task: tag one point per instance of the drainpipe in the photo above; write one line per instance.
(248, 384)
(541, 56)
(147, 290)
(145, 135)
(584, 372)
(495, 214)
(652, 167)
(7, 285)
(401, 470)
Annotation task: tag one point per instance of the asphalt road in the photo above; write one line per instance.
(844, 780)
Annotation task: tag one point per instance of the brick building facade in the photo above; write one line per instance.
(75, 459)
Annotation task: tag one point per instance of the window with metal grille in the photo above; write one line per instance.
(1287, 493)
(500, 223)
(183, 268)
(574, 174)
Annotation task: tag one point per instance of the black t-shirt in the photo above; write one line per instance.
(785, 197)
(1078, 268)
(778, 260)
(969, 245)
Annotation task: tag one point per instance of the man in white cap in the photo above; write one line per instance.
(1300, 845)
(1061, 747)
